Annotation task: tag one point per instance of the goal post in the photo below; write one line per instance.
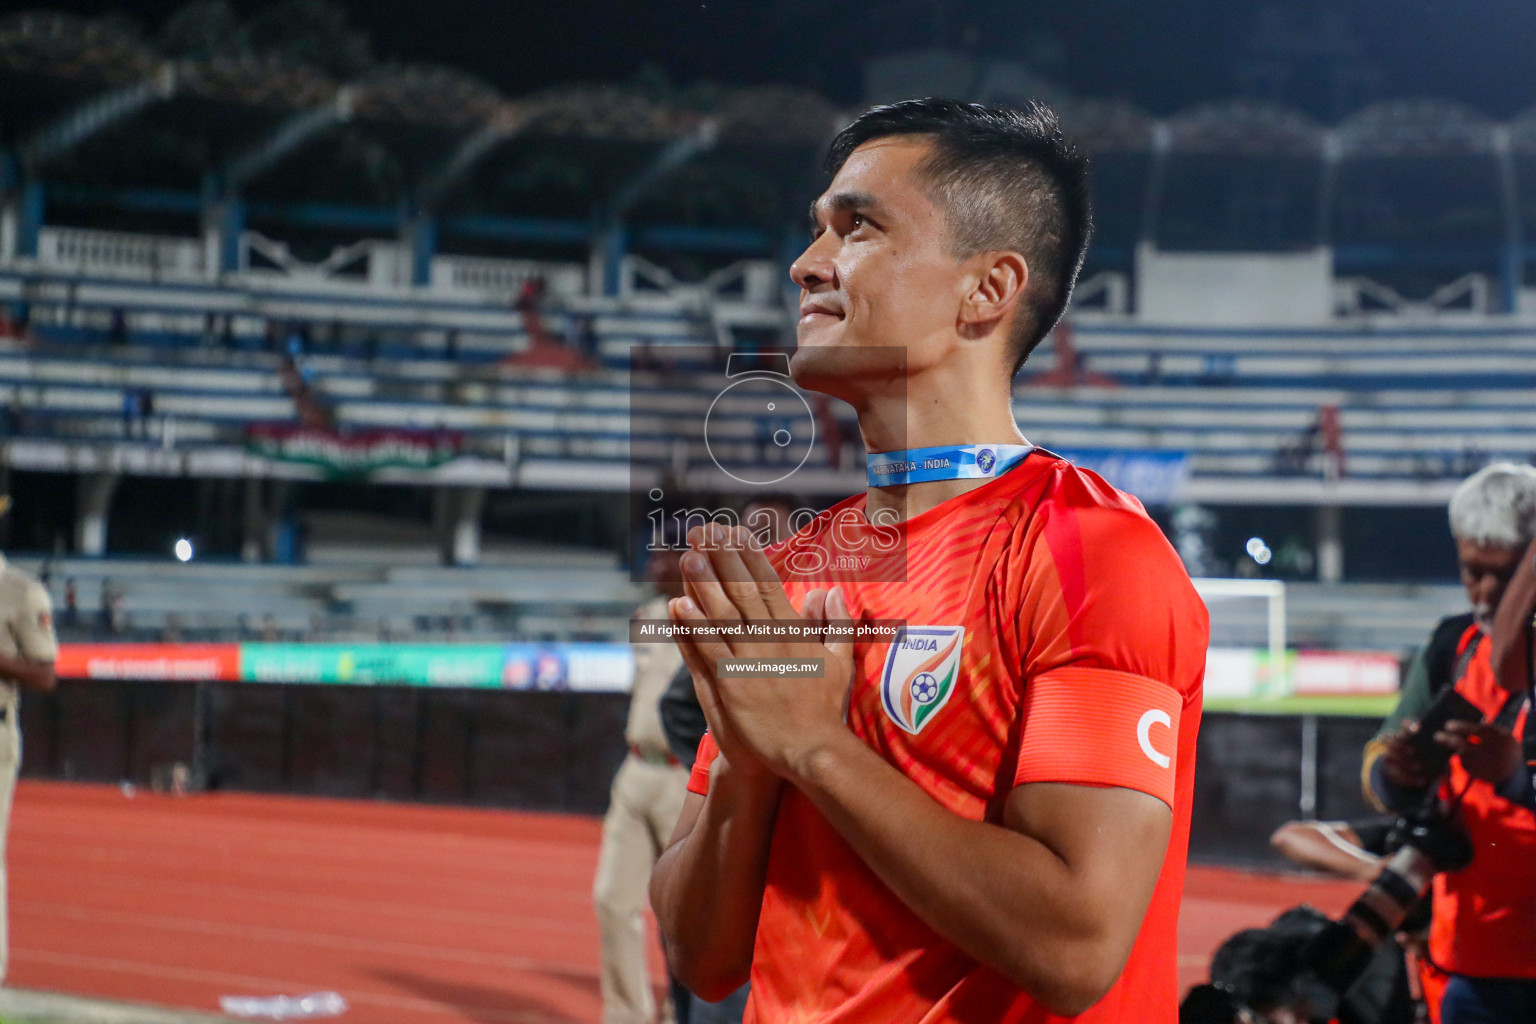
(1234, 624)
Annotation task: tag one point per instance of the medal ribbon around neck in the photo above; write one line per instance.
(944, 462)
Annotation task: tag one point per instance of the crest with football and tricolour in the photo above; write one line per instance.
(920, 671)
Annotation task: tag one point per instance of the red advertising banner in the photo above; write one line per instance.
(165, 662)
(1354, 673)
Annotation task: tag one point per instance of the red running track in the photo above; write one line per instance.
(430, 914)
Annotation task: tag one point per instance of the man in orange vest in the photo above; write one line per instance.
(1484, 928)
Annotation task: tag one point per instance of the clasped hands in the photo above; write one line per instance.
(762, 725)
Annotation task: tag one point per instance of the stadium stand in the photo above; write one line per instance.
(1296, 313)
(364, 594)
(1412, 406)
(512, 601)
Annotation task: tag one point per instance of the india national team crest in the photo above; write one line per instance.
(920, 672)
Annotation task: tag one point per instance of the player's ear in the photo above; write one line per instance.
(994, 289)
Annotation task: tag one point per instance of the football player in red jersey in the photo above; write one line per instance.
(986, 818)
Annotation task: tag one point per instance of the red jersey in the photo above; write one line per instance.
(1053, 636)
(1484, 922)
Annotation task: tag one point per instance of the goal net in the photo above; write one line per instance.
(1248, 656)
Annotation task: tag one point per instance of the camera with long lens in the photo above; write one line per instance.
(1426, 844)
(1324, 960)
(1423, 844)
(1331, 959)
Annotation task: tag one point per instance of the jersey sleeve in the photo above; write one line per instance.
(1114, 639)
(1414, 697)
(698, 777)
(32, 625)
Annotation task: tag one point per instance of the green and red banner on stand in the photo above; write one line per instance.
(354, 453)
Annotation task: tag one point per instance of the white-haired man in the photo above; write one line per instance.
(1484, 929)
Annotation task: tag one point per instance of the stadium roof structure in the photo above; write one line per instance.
(1416, 128)
(102, 54)
(99, 52)
(1243, 127)
(89, 105)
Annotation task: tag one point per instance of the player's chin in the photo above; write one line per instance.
(819, 330)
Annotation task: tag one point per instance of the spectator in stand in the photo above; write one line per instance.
(530, 295)
(71, 619)
(1071, 368)
(1331, 430)
(117, 334)
(584, 335)
(111, 618)
(544, 350)
(138, 406)
(104, 613)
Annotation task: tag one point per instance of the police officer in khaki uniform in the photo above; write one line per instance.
(643, 806)
(27, 652)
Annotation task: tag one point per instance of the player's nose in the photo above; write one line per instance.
(813, 269)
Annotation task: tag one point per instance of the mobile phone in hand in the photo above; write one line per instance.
(1449, 707)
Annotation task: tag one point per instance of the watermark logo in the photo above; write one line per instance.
(782, 431)
(738, 439)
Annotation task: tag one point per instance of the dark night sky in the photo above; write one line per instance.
(1161, 55)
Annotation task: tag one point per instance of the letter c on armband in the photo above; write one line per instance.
(1143, 730)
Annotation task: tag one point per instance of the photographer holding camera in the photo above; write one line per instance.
(1484, 914)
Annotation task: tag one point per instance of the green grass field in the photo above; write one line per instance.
(1363, 707)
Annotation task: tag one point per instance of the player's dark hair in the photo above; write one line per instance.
(1006, 180)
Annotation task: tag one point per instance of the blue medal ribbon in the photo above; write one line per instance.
(945, 462)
